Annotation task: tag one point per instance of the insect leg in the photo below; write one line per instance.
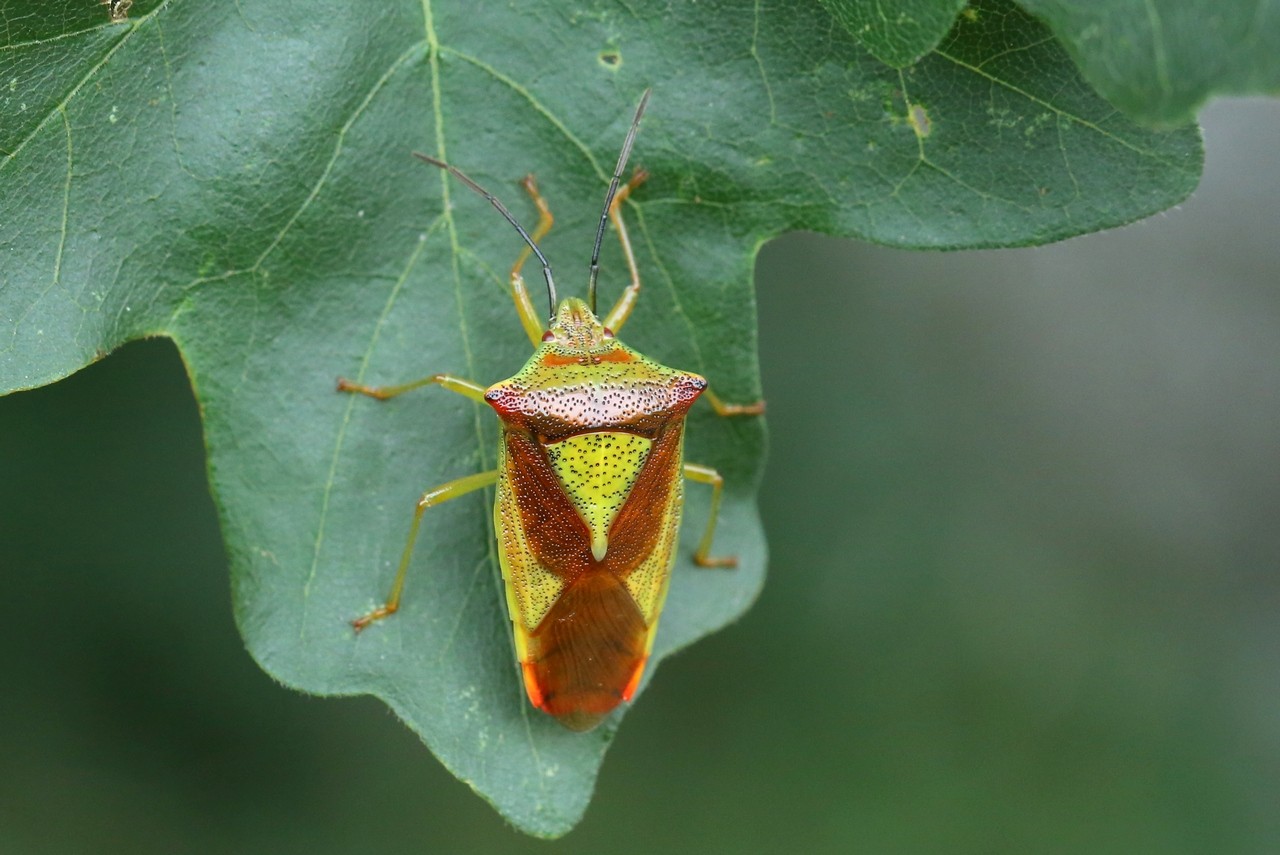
(622, 309)
(436, 496)
(529, 319)
(722, 409)
(474, 391)
(707, 475)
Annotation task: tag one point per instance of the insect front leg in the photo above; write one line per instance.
(431, 498)
(529, 319)
(706, 475)
(622, 309)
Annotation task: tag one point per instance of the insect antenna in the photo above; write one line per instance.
(608, 199)
(493, 200)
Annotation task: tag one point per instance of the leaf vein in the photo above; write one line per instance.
(1048, 105)
(61, 106)
(1160, 58)
(62, 243)
(337, 150)
(452, 636)
(537, 105)
(434, 64)
(1010, 51)
(677, 306)
(755, 54)
(59, 37)
(330, 478)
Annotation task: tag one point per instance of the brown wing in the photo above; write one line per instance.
(581, 637)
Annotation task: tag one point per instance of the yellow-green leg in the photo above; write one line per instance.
(722, 409)
(529, 318)
(622, 309)
(474, 391)
(443, 493)
(431, 498)
(706, 475)
(627, 302)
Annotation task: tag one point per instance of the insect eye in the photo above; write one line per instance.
(608, 333)
(548, 335)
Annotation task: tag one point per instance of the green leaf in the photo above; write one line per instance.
(1159, 60)
(1156, 60)
(897, 32)
(236, 176)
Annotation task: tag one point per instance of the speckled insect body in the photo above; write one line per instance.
(589, 483)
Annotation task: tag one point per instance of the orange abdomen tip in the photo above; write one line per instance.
(587, 655)
(634, 682)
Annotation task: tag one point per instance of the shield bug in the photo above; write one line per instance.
(589, 480)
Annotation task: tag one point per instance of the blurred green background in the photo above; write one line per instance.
(1024, 514)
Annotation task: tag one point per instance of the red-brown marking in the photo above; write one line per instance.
(588, 653)
(555, 360)
(616, 356)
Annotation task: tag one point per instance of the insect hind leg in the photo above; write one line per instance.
(431, 498)
(706, 475)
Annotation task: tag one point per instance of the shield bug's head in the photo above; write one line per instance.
(576, 329)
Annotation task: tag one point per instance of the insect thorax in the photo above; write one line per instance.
(582, 379)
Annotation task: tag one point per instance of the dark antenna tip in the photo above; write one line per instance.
(608, 199)
(493, 200)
